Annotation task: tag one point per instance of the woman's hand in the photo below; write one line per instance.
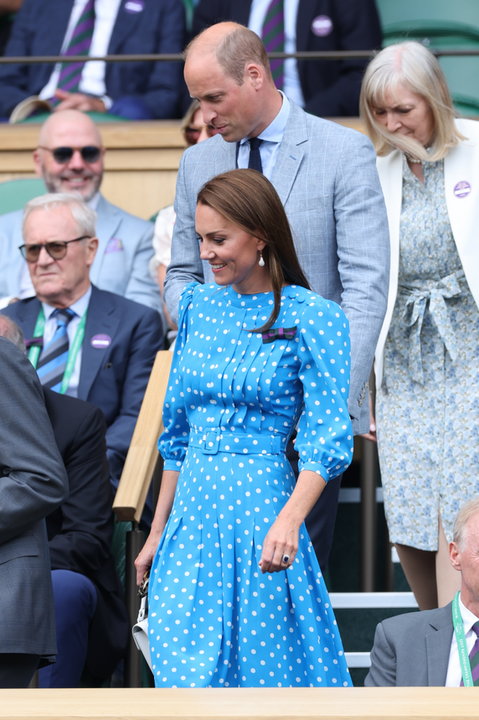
(280, 546)
(145, 557)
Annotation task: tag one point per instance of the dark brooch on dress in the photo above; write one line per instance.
(278, 334)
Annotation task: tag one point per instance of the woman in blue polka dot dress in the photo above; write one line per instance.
(236, 595)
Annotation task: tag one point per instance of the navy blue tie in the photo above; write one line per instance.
(53, 360)
(254, 155)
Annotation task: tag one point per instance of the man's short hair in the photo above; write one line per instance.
(467, 511)
(83, 215)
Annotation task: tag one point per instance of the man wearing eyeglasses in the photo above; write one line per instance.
(70, 158)
(83, 341)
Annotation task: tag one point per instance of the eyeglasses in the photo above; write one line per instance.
(62, 155)
(57, 249)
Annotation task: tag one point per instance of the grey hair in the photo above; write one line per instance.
(83, 215)
(11, 331)
(467, 511)
(410, 64)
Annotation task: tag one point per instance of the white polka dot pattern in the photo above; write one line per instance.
(232, 403)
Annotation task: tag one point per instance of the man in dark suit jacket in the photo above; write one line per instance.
(90, 615)
(422, 648)
(33, 483)
(138, 90)
(112, 365)
(330, 88)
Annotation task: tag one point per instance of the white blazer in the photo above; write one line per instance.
(461, 180)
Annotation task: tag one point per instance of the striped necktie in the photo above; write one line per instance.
(474, 657)
(79, 44)
(272, 34)
(53, 360)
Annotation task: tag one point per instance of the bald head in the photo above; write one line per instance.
(227, 71)
(70, 129)
(11, 331)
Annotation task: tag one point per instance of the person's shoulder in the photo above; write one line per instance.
(469, 128)
(312, 301)
(135, 223)
(68, 407)
(11, 222)
(329, 128)
(412, 622)
(130, 309)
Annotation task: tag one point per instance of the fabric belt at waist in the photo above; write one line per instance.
(216, 440)
(434, 298)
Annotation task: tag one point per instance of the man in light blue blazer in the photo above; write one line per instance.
(70, 158)
(324, 173)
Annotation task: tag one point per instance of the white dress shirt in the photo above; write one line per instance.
(93, 76)
(292, 84)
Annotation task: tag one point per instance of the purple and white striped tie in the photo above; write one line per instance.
(79, 44)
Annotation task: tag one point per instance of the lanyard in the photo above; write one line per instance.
(461, 643)
(34, 352)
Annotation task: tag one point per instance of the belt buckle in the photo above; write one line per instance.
(210, 443)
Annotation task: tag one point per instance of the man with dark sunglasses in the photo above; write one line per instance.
(70, 158)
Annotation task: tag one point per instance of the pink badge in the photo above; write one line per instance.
(462, 189)
(100, 342)
(134, 6)
(322, 25)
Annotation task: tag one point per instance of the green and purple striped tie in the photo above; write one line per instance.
(79, 44)
(272, 34)
(474, 657)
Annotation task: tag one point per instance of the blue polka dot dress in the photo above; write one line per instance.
(234, 398)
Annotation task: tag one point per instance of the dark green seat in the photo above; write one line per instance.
(14, 194)
(441, 25)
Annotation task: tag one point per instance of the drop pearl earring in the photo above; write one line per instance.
(261, 260)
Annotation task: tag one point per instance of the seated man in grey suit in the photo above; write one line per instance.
(33, 483)
(325, 175)
(436, 647)
(84, 342)
(70, 158)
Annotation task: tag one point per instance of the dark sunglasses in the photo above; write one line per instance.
(57, 249)
(62, 155)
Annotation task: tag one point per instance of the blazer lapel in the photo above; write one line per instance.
(108, 222)
(290, 154)
(438, 645)
(102, 319)
(461, 180)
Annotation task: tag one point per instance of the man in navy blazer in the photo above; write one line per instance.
(125, 247)
(137, 90)
(330, 88)
(113, 362)
(33, 483)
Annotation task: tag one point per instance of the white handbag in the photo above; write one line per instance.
(140, 628)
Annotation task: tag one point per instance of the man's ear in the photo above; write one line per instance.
(37, 162)
(455, 556)
(254, 73)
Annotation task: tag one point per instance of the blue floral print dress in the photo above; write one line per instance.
(234, 399)
(427, 408)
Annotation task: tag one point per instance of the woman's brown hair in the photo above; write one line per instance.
(247, 199)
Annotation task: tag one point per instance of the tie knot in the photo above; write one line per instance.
(63, 315)
(254, 143)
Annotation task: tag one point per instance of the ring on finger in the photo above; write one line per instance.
(285, 559)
